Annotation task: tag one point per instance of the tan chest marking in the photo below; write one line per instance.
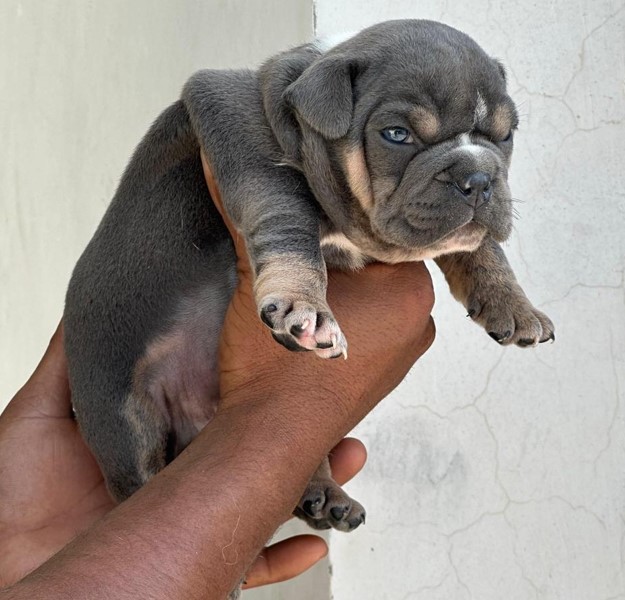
(338, 240)
(465, 239)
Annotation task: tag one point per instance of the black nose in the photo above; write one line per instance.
(476, 188)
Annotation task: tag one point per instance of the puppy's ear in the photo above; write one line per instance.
(322, 96)
(502, 69)
(275, 76)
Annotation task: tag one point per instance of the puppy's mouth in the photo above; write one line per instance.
(448, 224)
(463, 222)
(454, 207)
(465, 238)
(409, 231)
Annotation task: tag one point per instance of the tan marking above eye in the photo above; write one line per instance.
(502, 122)
(425, 123)
(481, 111)
(357, 174)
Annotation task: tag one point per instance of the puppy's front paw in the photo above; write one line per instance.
(301, 323)
(509, 318)
(325, 505)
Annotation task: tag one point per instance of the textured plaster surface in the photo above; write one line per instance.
(500, 473)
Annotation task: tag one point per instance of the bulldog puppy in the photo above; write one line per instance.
(393, 145)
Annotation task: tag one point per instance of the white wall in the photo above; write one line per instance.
(500, 473)
(80, 83)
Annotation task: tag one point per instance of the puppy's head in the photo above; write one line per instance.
(404, 132)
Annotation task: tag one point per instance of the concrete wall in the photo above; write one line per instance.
(500, 473)
(493, 473)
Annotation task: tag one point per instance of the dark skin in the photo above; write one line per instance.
(51, 488)
(40, 446)
(198, 526)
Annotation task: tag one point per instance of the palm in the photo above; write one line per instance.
(52, 488)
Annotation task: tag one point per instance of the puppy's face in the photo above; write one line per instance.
(417, 127)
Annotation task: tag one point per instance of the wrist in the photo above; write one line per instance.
(295, 416)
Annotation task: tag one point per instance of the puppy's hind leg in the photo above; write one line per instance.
(128, 438)
(128, 435)
(129, 442)
(147, 448)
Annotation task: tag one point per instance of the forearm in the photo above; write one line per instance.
(196, 527)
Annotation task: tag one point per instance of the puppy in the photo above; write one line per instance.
(392, 146)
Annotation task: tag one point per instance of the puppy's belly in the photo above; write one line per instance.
(179, 369)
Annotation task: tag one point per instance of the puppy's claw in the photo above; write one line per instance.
(499, 337)
(551, 339)
(345, 353)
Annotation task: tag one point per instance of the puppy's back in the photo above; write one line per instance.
(156, 243)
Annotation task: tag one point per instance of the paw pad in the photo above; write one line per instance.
(325, 505)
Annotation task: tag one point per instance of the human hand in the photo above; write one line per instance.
(51, 488)
(384, 311)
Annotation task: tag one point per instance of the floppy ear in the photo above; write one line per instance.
(322, 96)
(275, 76)
(502, 69)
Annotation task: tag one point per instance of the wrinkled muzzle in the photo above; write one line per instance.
(444, 188)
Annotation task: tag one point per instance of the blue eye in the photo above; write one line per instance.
(397, 135)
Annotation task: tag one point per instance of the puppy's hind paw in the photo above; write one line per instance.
(325, 505)
(303, 324)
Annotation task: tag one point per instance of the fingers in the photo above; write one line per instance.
(46, 393)
(285, 560)
(347, 459)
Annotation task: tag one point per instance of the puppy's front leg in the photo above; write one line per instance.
(290, 292)
(484, 283)
(280, 223)
(290, 289)
(270, 205)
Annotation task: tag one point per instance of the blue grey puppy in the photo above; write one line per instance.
(393, 145)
